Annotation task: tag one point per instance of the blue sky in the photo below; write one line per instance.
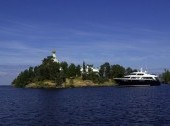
(134, 33)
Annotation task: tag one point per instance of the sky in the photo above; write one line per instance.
(132, 33)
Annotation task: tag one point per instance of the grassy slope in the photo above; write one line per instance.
(77, 82)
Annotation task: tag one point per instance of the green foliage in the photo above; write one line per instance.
(48, 70)
(64, 67)
(24, 78)
(129, 70)
(166, 76)
(105, 70)
(78, 72)
(91, 76)
(48, 60)
(117, 71)
(72, 71)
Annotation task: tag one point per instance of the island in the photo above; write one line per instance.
(54, 74)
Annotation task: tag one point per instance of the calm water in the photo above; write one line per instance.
(102, 106)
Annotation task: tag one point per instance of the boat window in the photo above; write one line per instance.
(147, 78)
(135, 77)
(140, 74)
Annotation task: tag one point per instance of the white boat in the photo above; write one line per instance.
(139, 78)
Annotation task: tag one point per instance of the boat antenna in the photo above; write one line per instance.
(141, 69)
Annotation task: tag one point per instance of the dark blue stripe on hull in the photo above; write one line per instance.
(137, 82)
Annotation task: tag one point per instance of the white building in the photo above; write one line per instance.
(90, 67)
(54, 56)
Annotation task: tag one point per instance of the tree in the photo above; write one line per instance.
(166, 76)
(48, 70)
(78, 72)
(72, 70)
(105, 70)
(37, 74)
(128, 71)
(44, 72)
(48, 60)
(23, 79)
(54, 70)
(64, 67)
(117, 71)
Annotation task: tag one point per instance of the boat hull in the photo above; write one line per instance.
(137, 82)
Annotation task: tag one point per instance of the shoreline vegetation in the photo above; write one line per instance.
(54, 74)
(51, 74)
(70, 83)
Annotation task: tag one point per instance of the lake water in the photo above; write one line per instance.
(99, 106)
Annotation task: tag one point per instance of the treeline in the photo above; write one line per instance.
(48, 70)
(165, 76)
(106, 72)
(58, 72)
